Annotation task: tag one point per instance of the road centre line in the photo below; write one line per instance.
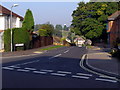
(83, 74)
(23, 70)
(30, 68)
(106, 80)
(39, 72)
(7, 68)
(64, 72)
(58, 74)
(80, 77)
(55, 56)
(66, 51)
(46, 70)
(14, 66)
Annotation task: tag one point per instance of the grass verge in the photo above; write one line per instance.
(88, 46)
(51, 48)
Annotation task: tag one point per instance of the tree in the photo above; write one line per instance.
(58, 27)
(28, 23)
(90, 19)
(65, 28)
(47, 29)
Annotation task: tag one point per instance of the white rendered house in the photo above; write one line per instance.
(5, 22)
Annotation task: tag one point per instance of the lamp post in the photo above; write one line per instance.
(14, 5)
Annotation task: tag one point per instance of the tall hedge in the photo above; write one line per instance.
(19, 36)
(7, 40)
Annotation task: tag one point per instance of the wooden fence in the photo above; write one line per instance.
(41, 41)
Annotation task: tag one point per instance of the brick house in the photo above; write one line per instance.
(5, 22)
(114, 28)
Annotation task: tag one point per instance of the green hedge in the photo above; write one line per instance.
(7, 40)
(19, 36)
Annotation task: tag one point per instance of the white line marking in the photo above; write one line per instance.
(40, 72)
(22, 70)
(81, 65)
(14, 66)
(28, 62)
(7, 68)
(64, 72)
(55, 56)
(46, 70)
(58, 74)
(30, 68)
(84, 74)
(66, 51)
(80, 77)
(103, 76)
(99, 69)
(106, 80)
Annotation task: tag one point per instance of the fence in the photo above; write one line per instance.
(41, 41)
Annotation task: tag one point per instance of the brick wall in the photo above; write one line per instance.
(114, 28)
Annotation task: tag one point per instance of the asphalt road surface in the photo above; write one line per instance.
(60, 68)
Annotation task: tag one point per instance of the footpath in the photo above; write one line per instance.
(24, 53)
(100, 60)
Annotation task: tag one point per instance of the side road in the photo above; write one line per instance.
(100, 60)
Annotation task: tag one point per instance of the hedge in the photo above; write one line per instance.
(19, 36)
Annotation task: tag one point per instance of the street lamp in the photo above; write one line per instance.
(14, 5)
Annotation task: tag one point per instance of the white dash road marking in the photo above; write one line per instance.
(30, 68)
(83, 74)
(46, 70)
(66, 51)
(23, 70)
(64, 72)
(27, 63)
(14, 66)
(106, 80)
(80, 77)
(55, 56)
(7, 68)
(40, 72)
(58, 74)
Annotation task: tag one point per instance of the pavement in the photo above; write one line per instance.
(24, 53)
(100, 60)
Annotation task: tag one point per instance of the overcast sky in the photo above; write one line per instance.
(53, 12)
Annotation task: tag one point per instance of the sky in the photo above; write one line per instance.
(53, 12)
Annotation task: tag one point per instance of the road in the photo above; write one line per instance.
(60, 68)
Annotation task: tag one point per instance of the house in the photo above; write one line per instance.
(113, 28)
(79, 41)
(5, 22)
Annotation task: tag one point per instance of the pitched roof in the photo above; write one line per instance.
(6, 11)
(114, 15)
